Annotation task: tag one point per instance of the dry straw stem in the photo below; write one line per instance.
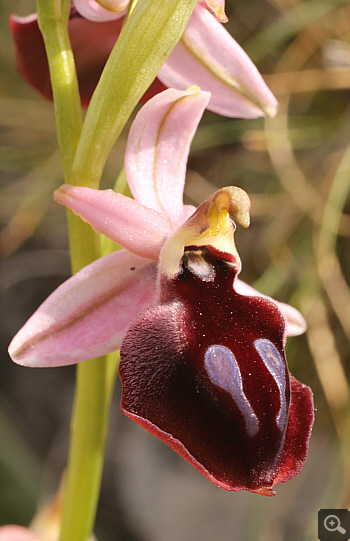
(327, 361)
(279, 145)
(328, 264)
(37, 187)
(308, 81)
(332, 376)
(309, 200)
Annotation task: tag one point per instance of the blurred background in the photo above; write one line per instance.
(296, 170)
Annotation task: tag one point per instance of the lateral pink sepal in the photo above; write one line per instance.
(87, 316)
(134, 226)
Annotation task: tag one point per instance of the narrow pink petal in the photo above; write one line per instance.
(209, 57)
(87, 315)
(93, 11)
(295, 323)
(217, 7)
(158, 147)
(17, 533)
(137, 228)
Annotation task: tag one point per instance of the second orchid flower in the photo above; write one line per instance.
(206, 55)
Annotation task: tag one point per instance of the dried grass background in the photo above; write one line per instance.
(296, 169)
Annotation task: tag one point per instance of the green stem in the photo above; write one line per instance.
(53, 25)
(94, 378)
(95, 381)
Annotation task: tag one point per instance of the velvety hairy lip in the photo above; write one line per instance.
(205, 371)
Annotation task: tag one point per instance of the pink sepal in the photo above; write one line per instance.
(217, 7)
(209, 57)
(158, 146)
(87, 316)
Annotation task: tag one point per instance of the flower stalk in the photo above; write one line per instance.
(53, 24)
(91, 405)
(95, 380)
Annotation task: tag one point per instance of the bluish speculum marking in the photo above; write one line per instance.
(224, 371)
(274, 363)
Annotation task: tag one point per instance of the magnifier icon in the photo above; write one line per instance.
(332, 524)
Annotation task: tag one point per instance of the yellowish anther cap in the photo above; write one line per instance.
(211, 224)
(234, 201)
(219, 223)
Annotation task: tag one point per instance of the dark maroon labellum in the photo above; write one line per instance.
(205, 371)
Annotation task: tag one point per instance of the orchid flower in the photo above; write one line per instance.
(206, 55)
(202, 354)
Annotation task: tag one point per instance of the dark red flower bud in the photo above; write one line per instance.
(91, 43)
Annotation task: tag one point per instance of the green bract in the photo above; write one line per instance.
(150, 34)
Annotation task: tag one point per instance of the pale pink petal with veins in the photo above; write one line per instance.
(158, 146)
(87, 316)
